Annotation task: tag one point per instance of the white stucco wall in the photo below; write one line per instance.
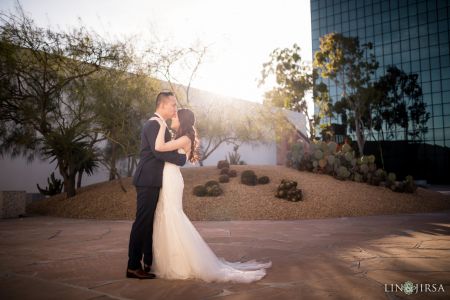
(251, 155)
(19, 175)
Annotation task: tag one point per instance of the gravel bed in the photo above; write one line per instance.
(323, 197)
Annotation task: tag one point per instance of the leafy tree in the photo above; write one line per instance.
(42, 110)
(121, 101)
(294, 82)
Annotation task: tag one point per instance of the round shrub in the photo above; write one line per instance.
(223, 164)
(211, 183)
(224, 178)
(200, 191)
(232, 173)
(409, 184)
(224, 171)
(214, 191)
(263, 180)
(248, 177)
(288, 190)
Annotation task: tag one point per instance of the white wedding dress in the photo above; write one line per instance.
(179, 250)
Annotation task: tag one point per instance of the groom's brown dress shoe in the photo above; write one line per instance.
(139, 274)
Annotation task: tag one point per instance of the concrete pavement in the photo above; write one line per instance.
(343, 258)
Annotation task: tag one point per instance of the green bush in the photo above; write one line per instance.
(211, 183)
(224, 171)
(263, 180)
(200, 191)
(214, 191)
(223, 164)
(224, 178)
(248, 177)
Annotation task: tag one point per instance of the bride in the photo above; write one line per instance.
(179, 250)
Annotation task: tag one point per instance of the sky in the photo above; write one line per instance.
(240, 34)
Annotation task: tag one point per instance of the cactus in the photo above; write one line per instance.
(373, 180)
(224, 171)
(200, 191)
(297, 153)
(380, 173)
(315, 164)
(331, 159)
(54, 186)
(349, 156)
(232, 173)
(248, 177)
(224, 178)
(343, 173)
(263, 180)
(364, 168)
(223, 164)
(214, 191)
(234, 157)
(211, 183)
(398, 187)
(332, 147)
(322, 163)
(318, 154)
(288, 190)
(358, 177)
(391, 178)
(324, 147)
(346, 148)
(363, 160)
(409, 185)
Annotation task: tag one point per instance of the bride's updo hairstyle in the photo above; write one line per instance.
(187, 128)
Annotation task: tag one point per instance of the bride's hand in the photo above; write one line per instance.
(161, 122)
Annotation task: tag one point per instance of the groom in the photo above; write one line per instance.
(148, 181)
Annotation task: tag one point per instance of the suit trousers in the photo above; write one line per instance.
(141, 236)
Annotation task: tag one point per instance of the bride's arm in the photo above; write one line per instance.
(162, 146)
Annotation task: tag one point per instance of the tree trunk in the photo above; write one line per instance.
(359, 136)
(69, 182)
(71, 186)
(120, 180)
(112, 164)
(80, 176)
(131, 165)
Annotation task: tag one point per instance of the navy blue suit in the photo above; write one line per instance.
(148, 180)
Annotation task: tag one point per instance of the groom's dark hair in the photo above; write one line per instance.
(161, 96)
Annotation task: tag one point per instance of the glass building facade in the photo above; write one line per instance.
(410, 34)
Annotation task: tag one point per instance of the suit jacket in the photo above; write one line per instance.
(151, 163)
